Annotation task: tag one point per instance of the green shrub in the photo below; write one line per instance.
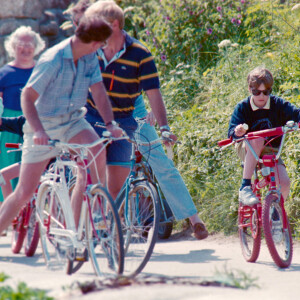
(21, 292)
(203, 60)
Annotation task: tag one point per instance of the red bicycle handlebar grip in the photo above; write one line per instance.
(12, 145)
(224, 142)
(265, 133)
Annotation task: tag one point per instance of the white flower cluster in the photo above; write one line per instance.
(227, 44)
(295, 7)
(224, 44)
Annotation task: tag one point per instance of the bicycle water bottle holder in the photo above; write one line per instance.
(261, 184)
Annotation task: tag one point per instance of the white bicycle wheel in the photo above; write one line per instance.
(104, 235)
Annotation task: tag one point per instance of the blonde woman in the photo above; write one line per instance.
(22, 45)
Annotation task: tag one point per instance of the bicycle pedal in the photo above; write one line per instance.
(100, 225)
(83, 256)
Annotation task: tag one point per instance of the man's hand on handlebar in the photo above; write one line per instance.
(115, 130)
(169, 138)
(41, 138)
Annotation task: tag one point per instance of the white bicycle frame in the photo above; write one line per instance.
(59, 185)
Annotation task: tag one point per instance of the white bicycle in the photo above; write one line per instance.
(98, 236)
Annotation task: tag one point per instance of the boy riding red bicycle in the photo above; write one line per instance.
(258, 127)
(261, 110)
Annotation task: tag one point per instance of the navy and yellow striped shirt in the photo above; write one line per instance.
(125, 77)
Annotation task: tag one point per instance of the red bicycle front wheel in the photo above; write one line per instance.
(18, 231)
(278, 237)
(249, 232)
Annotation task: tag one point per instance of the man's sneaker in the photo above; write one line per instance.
(247, 197)
(200, 231)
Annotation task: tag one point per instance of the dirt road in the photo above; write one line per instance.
(181, 256)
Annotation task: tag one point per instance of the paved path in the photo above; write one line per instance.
(185, 257)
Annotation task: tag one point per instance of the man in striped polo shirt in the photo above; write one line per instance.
(127, 69)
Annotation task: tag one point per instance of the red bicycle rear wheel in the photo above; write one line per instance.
(32, 234)
(249, 233)
(278, 238)
(18, 231)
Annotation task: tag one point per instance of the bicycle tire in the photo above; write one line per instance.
(104, 234)
(249, 233)
(278, 239)
(51, 216)
(32, 233)
(139, 226)
(18, 231)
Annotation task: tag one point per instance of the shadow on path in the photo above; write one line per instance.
(194, 256)
(22, 259)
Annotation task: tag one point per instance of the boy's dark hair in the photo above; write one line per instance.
(258, 76)
(93, 29)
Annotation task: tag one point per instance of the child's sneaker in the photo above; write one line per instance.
(247, 197)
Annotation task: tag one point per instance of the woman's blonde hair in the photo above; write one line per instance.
(109, 10)
(11, 41)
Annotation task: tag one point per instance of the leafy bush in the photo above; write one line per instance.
(21, 292)
(186, 31)
(204, 55)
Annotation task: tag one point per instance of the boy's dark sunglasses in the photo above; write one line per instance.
(256, 92)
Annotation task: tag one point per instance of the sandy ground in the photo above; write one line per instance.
(177, 270)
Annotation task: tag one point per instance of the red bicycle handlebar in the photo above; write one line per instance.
(277, 131)
(266, 132)
(13, 145)
(224, 142)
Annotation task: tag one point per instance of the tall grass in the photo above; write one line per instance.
(203, 79)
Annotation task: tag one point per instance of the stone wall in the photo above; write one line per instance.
(44, 16)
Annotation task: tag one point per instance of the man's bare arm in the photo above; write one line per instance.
(102, 102)
(104, 108)
(157, 106)
(28, 98)
(159, 111)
